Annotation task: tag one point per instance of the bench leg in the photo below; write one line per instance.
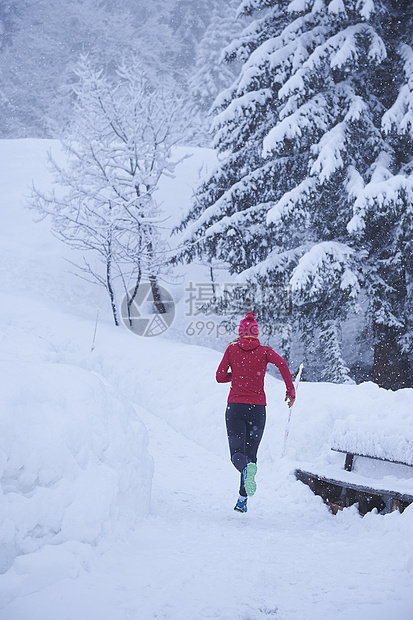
(348, 465)
(395, 504)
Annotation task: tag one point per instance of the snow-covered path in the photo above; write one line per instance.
(195, 558)
(276, 561)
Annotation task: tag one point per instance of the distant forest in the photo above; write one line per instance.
(41, 42)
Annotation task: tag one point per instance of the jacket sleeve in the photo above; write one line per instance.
(223, 376)
(282, 366)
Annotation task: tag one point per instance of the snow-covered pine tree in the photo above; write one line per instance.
(335, 369)
(189, 20)
(300, 136)
(382, 222)
(117, 148)
(9, 11)
(211, 74)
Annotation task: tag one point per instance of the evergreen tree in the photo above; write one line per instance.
(189, 21)
(211, 73)
(382, 223)
(9, 14)
(313, 189)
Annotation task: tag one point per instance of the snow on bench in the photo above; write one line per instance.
(383, 443)
(387, 488)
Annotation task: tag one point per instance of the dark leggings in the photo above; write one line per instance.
(245, 426)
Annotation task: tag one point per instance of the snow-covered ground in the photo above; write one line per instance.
(117, 494)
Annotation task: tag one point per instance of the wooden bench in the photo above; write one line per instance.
(342, 488)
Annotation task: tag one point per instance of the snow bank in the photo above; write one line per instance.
(74, 465)
(174, 381)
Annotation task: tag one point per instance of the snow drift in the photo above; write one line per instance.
(74, 464)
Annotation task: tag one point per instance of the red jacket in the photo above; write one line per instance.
(248, 361)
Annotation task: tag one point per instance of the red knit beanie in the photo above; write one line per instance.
(248, 326)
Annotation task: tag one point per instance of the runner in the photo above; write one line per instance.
(244, 364)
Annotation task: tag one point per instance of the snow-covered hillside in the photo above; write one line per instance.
(117, 494)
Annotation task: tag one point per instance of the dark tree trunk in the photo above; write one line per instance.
(211, 273)
(157, 299)
(391, 366)
(132, 297)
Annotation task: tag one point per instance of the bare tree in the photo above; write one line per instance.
(118, 147)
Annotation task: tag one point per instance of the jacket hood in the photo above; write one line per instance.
(248, 344)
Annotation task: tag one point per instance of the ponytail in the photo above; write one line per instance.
(237, 339)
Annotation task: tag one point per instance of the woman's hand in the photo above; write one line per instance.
(290, 400)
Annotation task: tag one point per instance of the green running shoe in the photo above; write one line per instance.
(248, 478)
